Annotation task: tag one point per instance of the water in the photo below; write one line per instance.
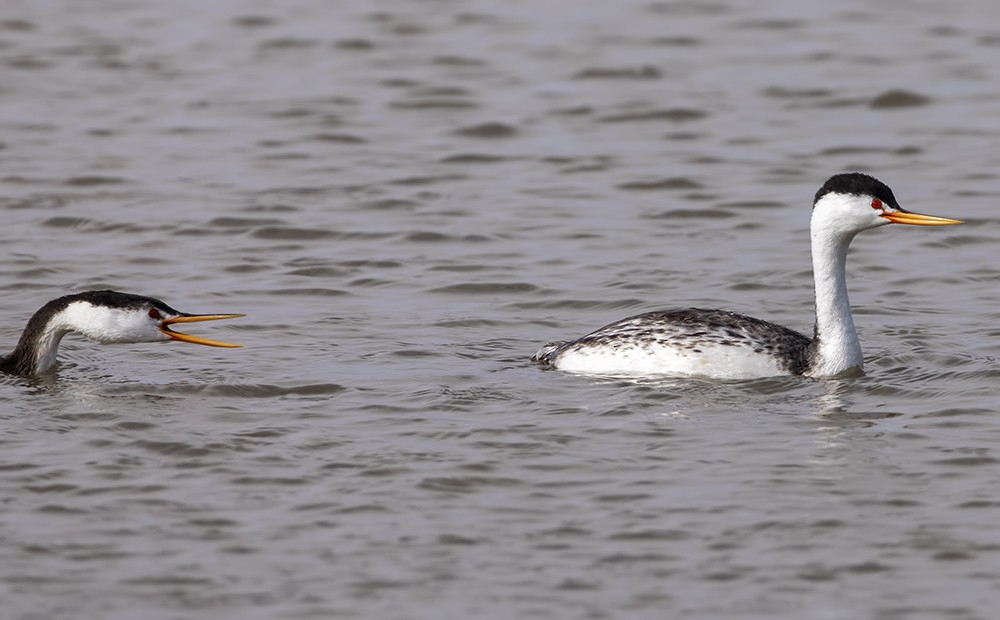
(407, 198)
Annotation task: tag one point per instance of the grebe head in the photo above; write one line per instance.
(851, 202)
(104, 316)
(113, 317)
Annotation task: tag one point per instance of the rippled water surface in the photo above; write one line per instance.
(407, 198)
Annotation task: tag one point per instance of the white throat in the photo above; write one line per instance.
(837, 348)
(47, 346)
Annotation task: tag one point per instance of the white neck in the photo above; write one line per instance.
(836, 348)
(48, 345)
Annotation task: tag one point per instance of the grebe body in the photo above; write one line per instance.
(694, 341)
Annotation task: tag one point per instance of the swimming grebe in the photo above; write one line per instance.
(105, 316)
(727, 345)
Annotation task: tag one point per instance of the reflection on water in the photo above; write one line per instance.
(408, 199)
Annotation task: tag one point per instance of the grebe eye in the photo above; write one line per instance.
(154, 313)
(876, 203)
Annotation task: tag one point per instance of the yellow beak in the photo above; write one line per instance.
(195, 318)
(918, 219)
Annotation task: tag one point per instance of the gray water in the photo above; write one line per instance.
(407, 198)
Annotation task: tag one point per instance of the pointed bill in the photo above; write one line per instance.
(196, 318)
(919, 219)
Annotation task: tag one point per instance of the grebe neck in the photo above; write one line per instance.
(835, 348)
(38, 346)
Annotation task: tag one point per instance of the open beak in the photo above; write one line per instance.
(918, 219)
(195, 318)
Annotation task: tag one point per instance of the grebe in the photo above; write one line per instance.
(105, 316)
(727, 345)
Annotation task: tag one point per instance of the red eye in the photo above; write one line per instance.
(154, 313)
(876, 203)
